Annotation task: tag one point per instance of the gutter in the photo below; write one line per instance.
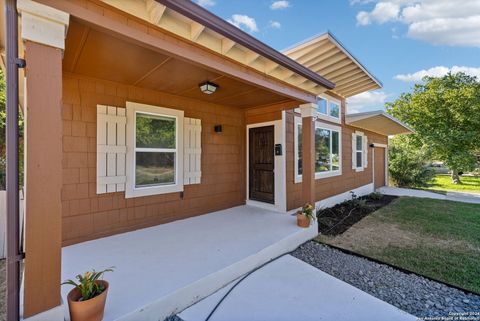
(198, 14)
(14, 253)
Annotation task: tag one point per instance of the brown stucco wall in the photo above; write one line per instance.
(87, 215)
(330, 186)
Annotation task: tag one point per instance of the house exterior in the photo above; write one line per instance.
(120, 136)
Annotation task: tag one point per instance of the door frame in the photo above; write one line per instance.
(385, 148)
(280, 203)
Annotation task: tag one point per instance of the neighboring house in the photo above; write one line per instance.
(120, 136)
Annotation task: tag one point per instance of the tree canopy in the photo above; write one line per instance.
(445, 114)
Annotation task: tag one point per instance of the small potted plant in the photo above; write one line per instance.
(86, 301)
(305, 216)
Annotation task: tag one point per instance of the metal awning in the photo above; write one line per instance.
(379, 122)
(326, 56)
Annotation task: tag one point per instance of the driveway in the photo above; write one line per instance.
(290, 289)
(449, 196)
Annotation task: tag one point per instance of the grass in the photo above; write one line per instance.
(470, 184)
(436, 238)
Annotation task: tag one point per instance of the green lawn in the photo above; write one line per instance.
(435, 238)
(470, 184)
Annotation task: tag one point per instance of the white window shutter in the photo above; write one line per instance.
(111, 149)
(365, 152)
(192, 144)
(354, 151)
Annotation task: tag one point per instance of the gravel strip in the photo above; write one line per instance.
(412, 293)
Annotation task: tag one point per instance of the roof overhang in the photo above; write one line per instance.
(191, 22)
(326, 56)
(378, 122)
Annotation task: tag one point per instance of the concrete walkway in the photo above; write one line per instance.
(449, 196)
(164, 269)
(290, 289)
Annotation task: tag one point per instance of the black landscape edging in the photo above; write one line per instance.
(406, 271)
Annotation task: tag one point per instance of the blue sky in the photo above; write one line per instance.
(398, 40)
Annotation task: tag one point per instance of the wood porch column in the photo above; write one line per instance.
(43, 33)
(308, 112)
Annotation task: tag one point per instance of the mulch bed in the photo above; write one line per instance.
(336, 220)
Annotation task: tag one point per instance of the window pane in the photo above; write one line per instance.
(359, 159)
(299, 144)
(322, 106)
(154, 168)
(155, 131)
(335, 151)
(322, 150)
(334, 110)
(359, 143)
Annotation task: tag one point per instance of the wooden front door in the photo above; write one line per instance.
(379, 167)
(261, 164)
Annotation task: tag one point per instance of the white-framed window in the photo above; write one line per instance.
(329, 108)
(359, 151)
(328, 150)
(154, 150)
(328, 146)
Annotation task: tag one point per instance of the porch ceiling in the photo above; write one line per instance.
(93, 52)
(328, 57)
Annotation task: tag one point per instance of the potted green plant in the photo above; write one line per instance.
(86, 301)
(305, 216)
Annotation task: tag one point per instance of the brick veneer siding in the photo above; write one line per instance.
(86, 215)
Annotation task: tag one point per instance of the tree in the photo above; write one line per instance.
(407, 162)
(3, 121)
(445, 114)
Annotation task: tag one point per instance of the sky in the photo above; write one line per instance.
(398, 41)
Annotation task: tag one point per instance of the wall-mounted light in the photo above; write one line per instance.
(218, 128)
(208, 87)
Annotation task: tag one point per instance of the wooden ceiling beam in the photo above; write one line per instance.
(359, 90)
(330, 62)
(196, 30)
(340, 70)
(155, 11)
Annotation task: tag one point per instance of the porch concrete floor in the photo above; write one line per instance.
(289, 289)
(164, 269)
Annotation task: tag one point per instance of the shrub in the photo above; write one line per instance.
(407, 164)
(375, 196)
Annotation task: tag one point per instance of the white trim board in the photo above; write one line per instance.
(280, 166)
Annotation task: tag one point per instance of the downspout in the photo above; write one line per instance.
(14, 254)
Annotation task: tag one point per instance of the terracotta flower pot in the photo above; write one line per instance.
(91, 310)
(303, 220)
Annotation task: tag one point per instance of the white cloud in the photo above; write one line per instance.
(275, 24)
(206, 3)
(441, 22)
(370, 100)
(240, 20)
(383, 12)
(438, 71)
(277, 5)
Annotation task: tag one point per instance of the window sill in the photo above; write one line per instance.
(298, 179)
(329, 118)
(154, 190)
(359, 169)
(327, 174)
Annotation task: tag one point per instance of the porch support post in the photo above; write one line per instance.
(308, 112)
(43, 32)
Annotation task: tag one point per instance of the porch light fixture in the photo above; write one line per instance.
(208, 87)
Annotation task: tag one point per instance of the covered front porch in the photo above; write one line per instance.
(105, 58)
(164, 269)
